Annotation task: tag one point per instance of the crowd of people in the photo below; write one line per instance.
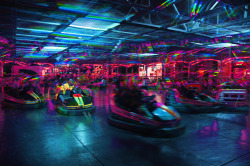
(65, 81)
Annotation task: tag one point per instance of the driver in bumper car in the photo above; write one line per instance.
(66, 86)
(132, 98)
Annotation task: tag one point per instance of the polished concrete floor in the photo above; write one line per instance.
(43, 137)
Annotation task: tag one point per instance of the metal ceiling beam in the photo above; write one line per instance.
(210, 13)
(23, 3)
(226, 25)
(126, 3)
(154, 28)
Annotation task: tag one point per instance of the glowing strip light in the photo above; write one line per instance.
(132, 33)
(198, 10)
(227, 11)
(35, 56)
(28, 40)
(73, 60)
(42, 22)
(164, 5)
(196, 43)
(161, 5)
(96, 17)
(78, 26)
(194, 7)
(88, 23)
(76, 34)
(169, 4)
(31, 36)
(223, 45)
(53, 48)
(30, 29)
(234, 54)
(232, 12)
(175, 18)
(214, 4)
(67, 38)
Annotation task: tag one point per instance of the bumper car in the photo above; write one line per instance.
(25, 99)
(99, 84)
(159, 121)
(227, 100)
(74, 102)
(234, 100)
(201, 103)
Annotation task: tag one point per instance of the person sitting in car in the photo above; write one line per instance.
(132, 99)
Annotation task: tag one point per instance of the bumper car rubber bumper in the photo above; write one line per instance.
(82, 111)
(151, 131)
(23, 106)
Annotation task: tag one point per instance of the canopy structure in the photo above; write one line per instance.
(83, 31)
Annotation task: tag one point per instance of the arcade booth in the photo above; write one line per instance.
(236, 68)
(150, 74)
(176, 70)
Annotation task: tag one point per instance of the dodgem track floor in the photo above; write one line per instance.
(44, 137)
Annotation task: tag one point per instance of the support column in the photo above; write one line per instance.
(246, 11)
(218, 21)
(188, 71)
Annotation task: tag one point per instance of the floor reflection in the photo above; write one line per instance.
(211, 139)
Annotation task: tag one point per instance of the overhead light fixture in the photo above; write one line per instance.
(88, 23)
(28, 40)
(30, 29)
(36, 56)
(53, 48)
(79, 34)
(65, 38)
(104, 18)
(41, 22)
(222, 45)
(214, 4)
(147, 54)
(132, 33)
(36, 36)
(140, 55)
(82, 31)
(197, 43)
(78, 26)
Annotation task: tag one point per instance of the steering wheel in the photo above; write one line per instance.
(76, 91)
